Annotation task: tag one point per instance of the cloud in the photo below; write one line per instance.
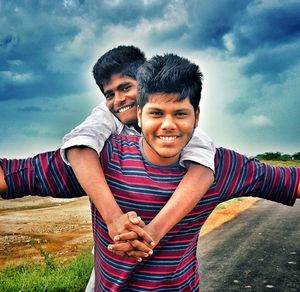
(14, 77)
(272, 63)
(260, 121)
(248, 51)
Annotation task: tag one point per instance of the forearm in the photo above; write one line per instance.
(191, 189)
(86, 166)
(298, 191)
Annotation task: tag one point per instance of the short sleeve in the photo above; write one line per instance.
(93, 131)
(200, 149)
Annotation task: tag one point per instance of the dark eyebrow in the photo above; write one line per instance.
(107, 92)
(155, 108)
(182, 110)
(122, 85)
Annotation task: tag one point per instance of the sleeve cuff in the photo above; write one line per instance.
(79, 141)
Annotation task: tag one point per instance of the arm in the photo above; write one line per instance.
(81, 149)
(43, 175)
(88, 171)
(186, 196)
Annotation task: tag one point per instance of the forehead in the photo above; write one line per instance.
(164, 99)
(116, 80)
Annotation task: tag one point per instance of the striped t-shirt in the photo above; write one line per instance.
(145, 188)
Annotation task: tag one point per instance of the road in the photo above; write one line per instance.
(259, 250)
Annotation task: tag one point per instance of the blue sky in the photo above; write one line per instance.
(249, 52)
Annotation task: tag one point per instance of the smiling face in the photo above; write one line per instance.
(121, 93)
(167, 126)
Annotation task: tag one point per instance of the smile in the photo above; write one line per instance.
(124, 109)
(168, 138)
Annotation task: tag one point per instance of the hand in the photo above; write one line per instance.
(128, 222)
(130, 244)
(137, 238)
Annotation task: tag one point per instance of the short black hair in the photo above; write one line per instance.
(124, 60)
(169, 74)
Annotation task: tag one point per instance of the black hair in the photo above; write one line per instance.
(124, 60)
(169, 74)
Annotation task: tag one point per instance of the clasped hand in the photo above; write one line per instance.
(132, 238)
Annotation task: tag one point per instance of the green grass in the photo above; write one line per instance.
(50, 276)
(229, 202)
(295, 163)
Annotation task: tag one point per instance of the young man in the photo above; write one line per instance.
(115, 74)
(143, 172)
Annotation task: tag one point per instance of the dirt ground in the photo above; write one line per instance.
(63, 227)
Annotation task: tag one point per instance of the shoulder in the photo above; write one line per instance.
(123, 143)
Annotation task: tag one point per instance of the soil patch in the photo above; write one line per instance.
(63, 227)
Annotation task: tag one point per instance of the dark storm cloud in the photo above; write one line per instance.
(257, 30)
(42, 36)
(273, 62)
(209, 21)
(265, 27)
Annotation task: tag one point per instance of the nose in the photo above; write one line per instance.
(168, 123)
(119, 98)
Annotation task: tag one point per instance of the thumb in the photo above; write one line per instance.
(133, 217)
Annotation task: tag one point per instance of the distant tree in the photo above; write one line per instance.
(269, 156)
(286, 157)
(296, 156)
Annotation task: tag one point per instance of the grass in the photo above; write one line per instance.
(50, 276)
(294, 163)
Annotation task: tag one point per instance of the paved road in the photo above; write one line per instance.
(259, 250)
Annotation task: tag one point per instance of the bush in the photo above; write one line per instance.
(296, 156)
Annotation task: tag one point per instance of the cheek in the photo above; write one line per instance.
(109, 104)
(188, 127)
(148, 126)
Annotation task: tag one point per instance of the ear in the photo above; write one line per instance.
(139, 116)
(197, 115)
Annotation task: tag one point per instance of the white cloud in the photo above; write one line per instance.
(260, 121)
(14, 77)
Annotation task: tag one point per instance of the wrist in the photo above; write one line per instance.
(156, 231)
(110, 216)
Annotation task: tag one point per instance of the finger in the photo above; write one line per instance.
(120, 247)
(140, 246)
(133, 217)
(141, 233)
(136, 257)
(125, 236)
(137, 254)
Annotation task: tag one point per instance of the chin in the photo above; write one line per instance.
(129, 120)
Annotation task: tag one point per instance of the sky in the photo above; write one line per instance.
(248, 51)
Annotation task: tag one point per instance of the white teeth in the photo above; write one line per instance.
(124, 109)
(168, 138)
